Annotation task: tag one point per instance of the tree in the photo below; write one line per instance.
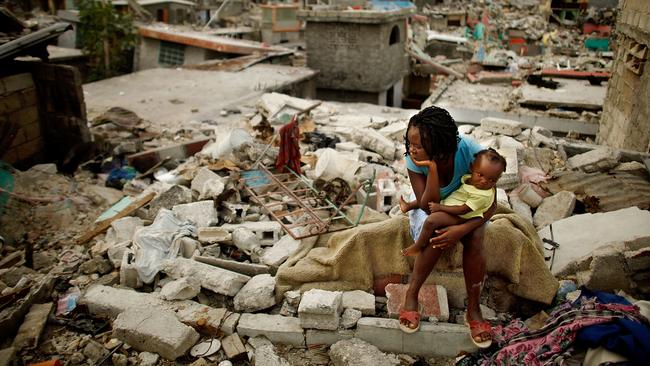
(107, 38)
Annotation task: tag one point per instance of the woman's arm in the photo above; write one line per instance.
(426, 188)
(452, 234)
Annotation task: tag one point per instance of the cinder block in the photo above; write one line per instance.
(32, 131)
(432, 298)
(25, 116)
(359, 300)
(18, 82)
(327, 337)
(320, 309)
(201, 213)
(10, 103)
(151, 331)
(277, 328)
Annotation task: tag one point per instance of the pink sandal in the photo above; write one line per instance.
(411, 316)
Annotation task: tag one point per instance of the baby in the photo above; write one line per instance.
(472, 199)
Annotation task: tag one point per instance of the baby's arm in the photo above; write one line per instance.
(452, 210)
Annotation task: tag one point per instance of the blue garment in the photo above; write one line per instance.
(465, 152)
(626, 337)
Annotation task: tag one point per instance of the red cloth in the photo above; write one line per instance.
(289, 155)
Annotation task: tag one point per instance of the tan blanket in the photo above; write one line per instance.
(352, 259)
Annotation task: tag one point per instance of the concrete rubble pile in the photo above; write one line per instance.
(160, 255)
(200, 267)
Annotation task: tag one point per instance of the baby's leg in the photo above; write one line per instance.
(407, 206)
(434, 221)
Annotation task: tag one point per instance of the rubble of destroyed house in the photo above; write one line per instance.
(235, 199)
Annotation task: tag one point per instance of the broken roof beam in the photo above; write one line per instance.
(219, 44)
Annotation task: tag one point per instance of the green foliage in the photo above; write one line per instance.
(107, 38)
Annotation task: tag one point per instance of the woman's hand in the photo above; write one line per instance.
(430, 164)
(447, 236)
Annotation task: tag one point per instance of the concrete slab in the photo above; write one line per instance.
(277, 328)
(148, 93)
(212, 278)
(579, 235)
(571, 93)
(158, 332)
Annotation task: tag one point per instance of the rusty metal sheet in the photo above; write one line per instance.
(604, 192)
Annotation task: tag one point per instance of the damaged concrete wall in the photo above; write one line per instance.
(19, 118)
(61, 108)
(626, 113)
(356, 56)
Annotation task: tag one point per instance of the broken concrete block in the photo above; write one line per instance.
(235, 212)
(349, 318)
(181, 289)
(347, 146)
(528, 195)
(555, 207)
(638, 260)
(374, 141)
(394, 131)
(30, 331)
(109, 302)
(212, 278)
(188, 247)
(510, 178)
(233, 347)
(214, 235)
(229, 325)
(257, 294)
(153, 331)
(276, 255)
(129, 271)
(540, 136)
(268, 232)
(320, 309)
(265, 352)
(629, 226)
(94, 351)
(432, 298)
(387, 195)
(96, 265)
(501, 126)
(327, 337)
(201, 213)
(356, 352)
(521, 208)
(293, 298)
(607, 270)
(116, 253)
(277, 328)
(175, 195)
(203, 176)
(359, 300)
(600, 159)
(125, 227)
(148, 359)
(247, 241)
(248, 269)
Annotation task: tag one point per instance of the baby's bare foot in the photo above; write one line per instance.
(403, 206)
(411, 251)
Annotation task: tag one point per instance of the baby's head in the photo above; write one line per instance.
(487, 168)
(431, 134)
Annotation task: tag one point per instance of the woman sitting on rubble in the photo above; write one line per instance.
(436, 160)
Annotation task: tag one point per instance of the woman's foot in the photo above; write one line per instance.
(411, 251)
(480, 331)
(409, 319)
(403, 205)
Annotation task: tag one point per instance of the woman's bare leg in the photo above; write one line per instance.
(427, 257)
(474, 272)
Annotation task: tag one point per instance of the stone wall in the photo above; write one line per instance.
(356, 56)
(626, 113)
(19, 114)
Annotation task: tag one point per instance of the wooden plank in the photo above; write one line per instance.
(100, 227)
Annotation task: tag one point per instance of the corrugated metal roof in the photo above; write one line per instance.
(604, 192)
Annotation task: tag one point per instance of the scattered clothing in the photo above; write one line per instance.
(289, 155)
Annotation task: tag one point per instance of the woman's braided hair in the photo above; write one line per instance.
(438, 132)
